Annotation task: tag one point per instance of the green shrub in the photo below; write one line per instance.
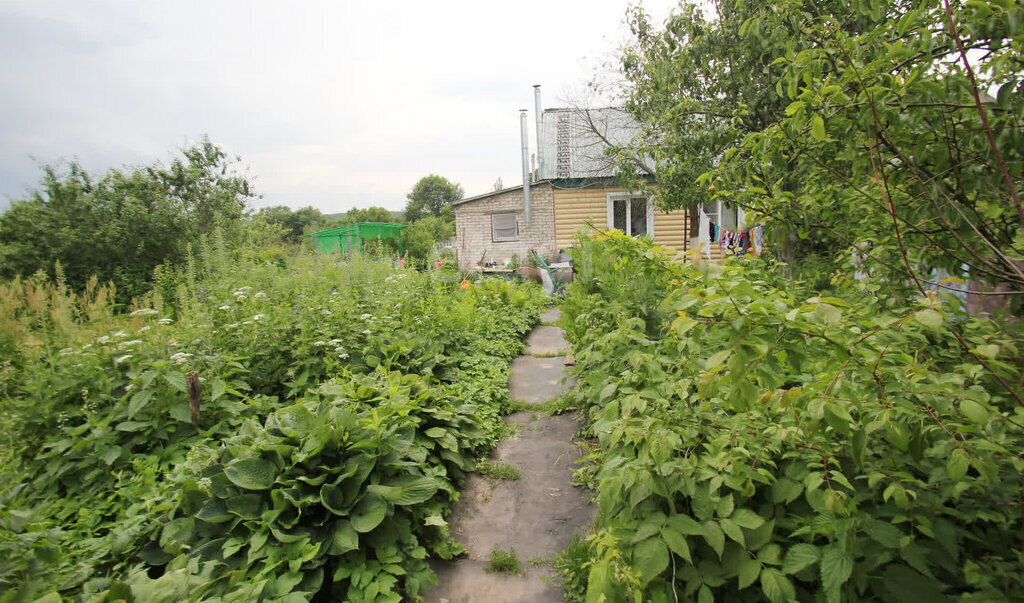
(759, 441)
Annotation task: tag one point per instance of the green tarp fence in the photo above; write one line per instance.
(347, 238)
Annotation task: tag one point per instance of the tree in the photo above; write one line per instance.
(293, 223)
(430, 196)
(369, 214)
(123, 224)
(425, 234)
(847, 123)
(207, 186)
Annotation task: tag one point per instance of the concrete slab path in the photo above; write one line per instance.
(535, 515)
(546, 341)
(538, 380)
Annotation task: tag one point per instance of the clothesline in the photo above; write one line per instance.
(739, 242)
(742, 242)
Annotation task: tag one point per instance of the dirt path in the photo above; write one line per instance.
(535, 515)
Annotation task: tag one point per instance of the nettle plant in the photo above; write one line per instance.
(757, 441)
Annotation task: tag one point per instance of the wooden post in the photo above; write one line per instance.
(192, 380)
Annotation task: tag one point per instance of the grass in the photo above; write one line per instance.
(559, 405)
(509, 430)
(570, 565)
(504, 562)
(498, 471)
(555, 354)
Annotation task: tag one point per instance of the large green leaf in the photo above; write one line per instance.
(169, 588)
(714, 536)
(836, 567)
(344, 538)
(251, 474)
(388, 493)
(817, 127)
(368, 513)
(800, 556)
(929, 318)
(975, 412)
(685, 524)
(786, 490)
(177, 379)
(750, 569)
(333, 498)
(652, 523)
(747, 519)
(732, 530)
(598, 583)
(884, 533)
(828, 313)
(650, 558)
(214, 511)
(246, 506)
(416, 490)
(677, 542)
(139, 401)
(776, 587)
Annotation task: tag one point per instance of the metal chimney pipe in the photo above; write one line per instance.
(524, 134)
(539, 114)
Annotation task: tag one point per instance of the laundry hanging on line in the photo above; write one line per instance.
(740, 243)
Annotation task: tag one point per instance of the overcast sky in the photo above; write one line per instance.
(330, 104)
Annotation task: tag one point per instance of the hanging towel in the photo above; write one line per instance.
(704, 228)
(758, 233)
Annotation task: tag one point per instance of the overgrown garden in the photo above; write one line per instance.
(341, 408)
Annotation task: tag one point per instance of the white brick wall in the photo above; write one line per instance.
(473, 234)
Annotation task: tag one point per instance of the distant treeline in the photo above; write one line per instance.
(121, 225)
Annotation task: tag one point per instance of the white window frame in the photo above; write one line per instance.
(719, 208)
(494, 228)
(613, 197)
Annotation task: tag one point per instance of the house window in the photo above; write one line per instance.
(722, 214)
(504, 227)
(633, 215)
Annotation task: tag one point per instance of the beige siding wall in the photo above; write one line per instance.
(671, 230)
(473, 234)
(574, 207)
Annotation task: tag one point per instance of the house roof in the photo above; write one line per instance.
(492, 193)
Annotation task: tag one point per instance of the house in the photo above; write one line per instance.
(573, 185)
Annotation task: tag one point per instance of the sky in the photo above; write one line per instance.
(330, 104)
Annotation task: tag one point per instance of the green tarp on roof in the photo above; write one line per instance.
(347, 238)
